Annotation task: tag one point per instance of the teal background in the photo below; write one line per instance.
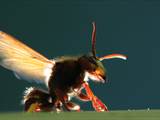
(55, 28)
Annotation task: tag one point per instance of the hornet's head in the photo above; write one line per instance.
(92, 64)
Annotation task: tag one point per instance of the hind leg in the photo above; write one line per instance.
(64, 99)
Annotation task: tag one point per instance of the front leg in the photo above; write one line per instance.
(97, 104)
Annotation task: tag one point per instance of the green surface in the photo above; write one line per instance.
(113, 115)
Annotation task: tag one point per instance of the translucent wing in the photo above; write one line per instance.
(22, 60)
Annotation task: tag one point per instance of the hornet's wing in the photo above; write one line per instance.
(22, 60)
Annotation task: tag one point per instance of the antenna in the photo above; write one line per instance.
(94, 40)
(111, 56)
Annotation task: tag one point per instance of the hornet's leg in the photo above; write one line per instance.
(67, 104)
(97, 104)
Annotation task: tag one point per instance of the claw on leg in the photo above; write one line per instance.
(97, 104)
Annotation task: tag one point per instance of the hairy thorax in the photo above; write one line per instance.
(67, 77)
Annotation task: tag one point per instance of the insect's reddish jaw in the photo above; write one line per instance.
(97, 77)
(102, 78)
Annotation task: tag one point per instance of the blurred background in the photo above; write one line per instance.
(56, 27)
